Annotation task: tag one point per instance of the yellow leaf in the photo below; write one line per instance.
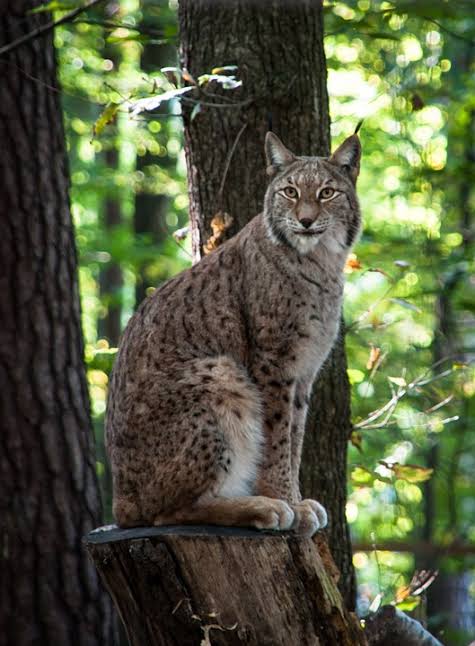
(402, 593)
(106, 117)
(411, 472)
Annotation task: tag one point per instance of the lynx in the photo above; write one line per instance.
(210, 389)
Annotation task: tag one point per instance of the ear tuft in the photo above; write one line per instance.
(348, 156)
(277, 154)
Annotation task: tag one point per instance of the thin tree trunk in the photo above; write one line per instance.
(278, 48)
(49, 498)
(150, 207)
(110, 278)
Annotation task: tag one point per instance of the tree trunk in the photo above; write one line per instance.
(278, 48)
(110, 277)
(49, 498)
(150, 207)
(176, 586)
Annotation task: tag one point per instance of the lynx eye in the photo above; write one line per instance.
(326, 193)
(291, 192)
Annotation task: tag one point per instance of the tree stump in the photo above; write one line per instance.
(192, 586)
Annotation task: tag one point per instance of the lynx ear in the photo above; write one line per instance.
(348, 156)
(277, 154)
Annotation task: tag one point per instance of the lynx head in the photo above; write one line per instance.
(312, 200)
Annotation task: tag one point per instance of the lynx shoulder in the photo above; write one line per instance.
(209, 392)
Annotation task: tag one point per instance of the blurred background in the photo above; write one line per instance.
(408, 69)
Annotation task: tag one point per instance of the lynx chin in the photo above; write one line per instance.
(210, 389)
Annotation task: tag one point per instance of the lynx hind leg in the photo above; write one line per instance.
(233, 456)
(237, 408)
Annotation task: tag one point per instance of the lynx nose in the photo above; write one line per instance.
(306, 222)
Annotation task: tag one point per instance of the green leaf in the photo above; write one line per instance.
(170, 31)
(409, 603)
(362, 477)
(138, 38)
(355, 376)
(382, 35)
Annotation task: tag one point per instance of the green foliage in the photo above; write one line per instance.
(406, 68)
(409, 300)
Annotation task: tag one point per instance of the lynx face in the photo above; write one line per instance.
(312, 199)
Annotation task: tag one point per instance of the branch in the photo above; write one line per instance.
(226, 167)
(49, 26)
(417, 547)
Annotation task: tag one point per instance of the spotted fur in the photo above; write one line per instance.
(210, 389)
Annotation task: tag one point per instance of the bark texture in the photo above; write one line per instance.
(278, 48)
(49, 591)
(177, 586)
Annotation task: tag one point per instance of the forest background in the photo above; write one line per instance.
(407, 69)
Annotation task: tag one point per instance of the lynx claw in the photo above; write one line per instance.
(310, 516)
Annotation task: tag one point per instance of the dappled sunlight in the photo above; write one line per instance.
(410, 292)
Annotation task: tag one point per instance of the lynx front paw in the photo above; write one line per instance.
(310, 516)
(273, 514)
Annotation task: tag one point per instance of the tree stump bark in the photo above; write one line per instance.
(191, 586)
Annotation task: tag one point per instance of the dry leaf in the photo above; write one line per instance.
(357, 440)
(409, 472)
(187, 76)
(352, 263)
(374, 355)
(219, 225)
